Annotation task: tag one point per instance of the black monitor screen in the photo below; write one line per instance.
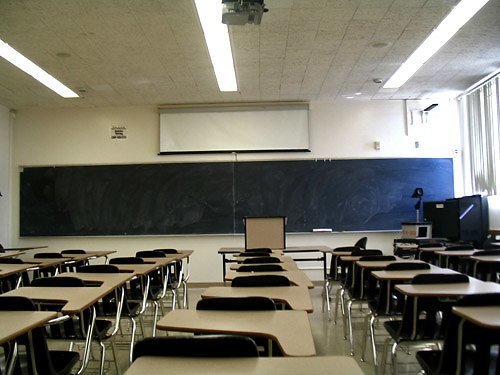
(444, 218)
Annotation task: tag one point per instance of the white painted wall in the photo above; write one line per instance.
(344, 129)
(4, 176)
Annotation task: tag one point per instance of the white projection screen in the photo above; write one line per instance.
(234, 128)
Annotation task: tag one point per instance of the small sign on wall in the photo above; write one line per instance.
(118, 132)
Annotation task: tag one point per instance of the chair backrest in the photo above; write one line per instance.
(236, 304)
(377, 258)
(48, 255)
(167, 251)
(149, 254)
(253, 254)
(260, 280)
(197, 346)
(64, 281)
(257, 260)
(99, 268)
(16, 303)
(259, 250)
(126, 260)
(260, 268)
(405, 266)
(430, 244)
(363, 252)
(346, 248)
(459, 247)
(11, 261)
(361, 242)
(73, 251)
(440, 278)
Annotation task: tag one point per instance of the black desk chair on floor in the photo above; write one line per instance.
(468, 348)
(262, 250)
(176, 278)
(261, 259)
(260, 280)
(197, 346)
(73, 265)
(159, 279)
(419, 323)
(260, 268)
(267, 347)
(75, 328)
(47, 271)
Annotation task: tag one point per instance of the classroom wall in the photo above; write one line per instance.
(344, 129)
(4, 175)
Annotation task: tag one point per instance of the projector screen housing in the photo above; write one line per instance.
(234, 128)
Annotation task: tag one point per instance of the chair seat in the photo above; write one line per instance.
(102, 326)
(63, 361)
(132, 309)
(429, 361)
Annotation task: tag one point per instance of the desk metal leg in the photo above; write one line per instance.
(88, 341)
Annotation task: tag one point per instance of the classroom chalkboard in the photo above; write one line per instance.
(211, 198)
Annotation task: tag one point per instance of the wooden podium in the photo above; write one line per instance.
(265, 232)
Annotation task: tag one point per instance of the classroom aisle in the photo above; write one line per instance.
(328, 338)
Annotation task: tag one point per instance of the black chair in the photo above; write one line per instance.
(75, 328)
(253, 254)
(126, 260)
(107, 307)
(260, 268)
(47, 271)
(40, 360)
(361, 243)
(362, 288)
(158, 282)
(236, 304)
(428, 256)
(176, 275)
(420, 323)
(197, 346)
(266, 346)
(264, 250)
(459, 263)
(387, 303)
(261, 259)
(72, 266)
(474, 349)
(260, 280)
(15, 280)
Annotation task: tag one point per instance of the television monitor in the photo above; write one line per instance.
(444, 218)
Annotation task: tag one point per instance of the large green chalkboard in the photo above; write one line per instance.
(208, 198)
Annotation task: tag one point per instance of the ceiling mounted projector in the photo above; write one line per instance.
(240, 12)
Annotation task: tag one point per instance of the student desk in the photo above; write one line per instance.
(327, 365)
(453, 253)
(297, 297)
(11, 254)
(273, 253)
(483, 316)
(290, 329)
(16, 323)
(7, 269)
(287, 266)
(478, 258)
(421, 250)
(298, 278)
(23, 248)
(292, 249)
(282, 258)
(474, 286)
(77, 299)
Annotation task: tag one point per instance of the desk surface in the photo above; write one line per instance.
(290, 329)
(486, 258)
(408, 274)
(384, 263)
(137, 269)
(474, 286)
(297, 277)
(282, 258)
(483, 316)
(7, 269)
(291, 249)
(297, 297)
(77, 298)
(15, 323)
(245, 366)
(11, 254)
(23, 248)
(456, 253)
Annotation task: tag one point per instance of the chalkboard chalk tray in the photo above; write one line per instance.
(211, 198)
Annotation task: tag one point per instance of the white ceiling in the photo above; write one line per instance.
(149, 52)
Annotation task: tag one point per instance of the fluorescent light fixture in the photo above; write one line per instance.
(458, 17)
(27, 66)
(217, 39)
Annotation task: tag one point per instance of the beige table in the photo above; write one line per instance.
(16, 323)
(290, 329)
(452, 253)
(282, 258)
(327, 365)
(298, 278)
(483, 316)
(77, 299)
(296, 297)
(474, 286)
(11, 254)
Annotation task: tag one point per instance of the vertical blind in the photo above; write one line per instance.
(481, 119)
